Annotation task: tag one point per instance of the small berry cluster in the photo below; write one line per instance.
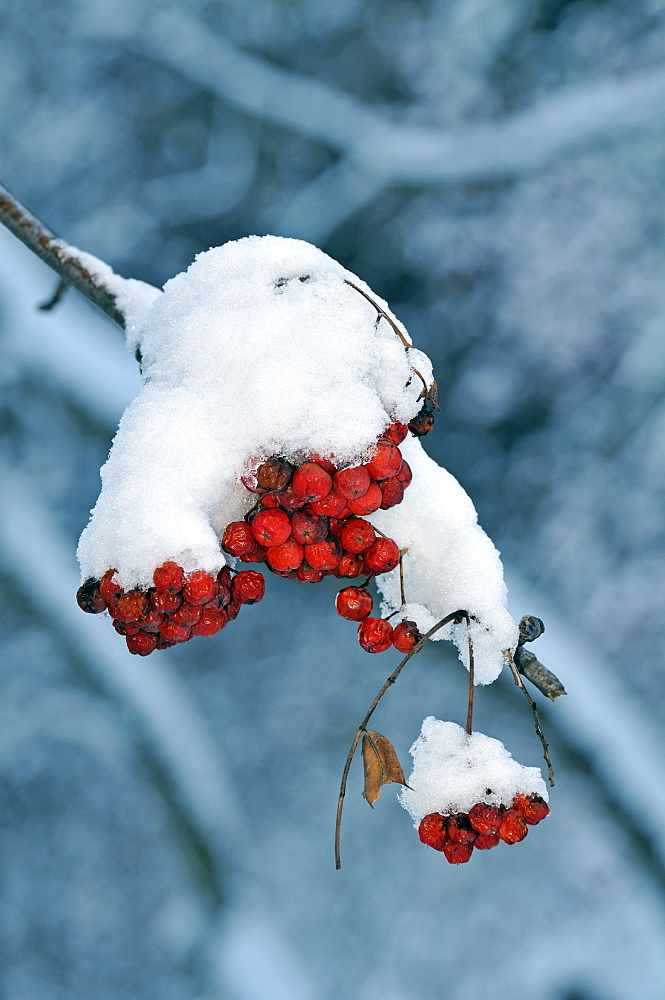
(310, 522)
(482, 828)
(177, 607)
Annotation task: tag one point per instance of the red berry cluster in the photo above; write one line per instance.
(177, 607)
(482, 827)
(310, 522)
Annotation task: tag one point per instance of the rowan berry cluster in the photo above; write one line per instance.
(482, 828)
(309, 522)
(177, 607)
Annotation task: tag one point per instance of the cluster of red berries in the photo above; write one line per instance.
(177, 607)
(482, 828)
(309, 522)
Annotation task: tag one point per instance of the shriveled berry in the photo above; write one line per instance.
(248, 480)
(385, 461)
(168, 578)
(356, 535)
(382, 555)
(332, 505)
(513, 827)
(323, 555)
(187, 614)
(132, 606)
(174, 632)
(486, 841)
(423, 422)
(248, 587)
(238, 538)
(224, 577)
(405, 636)
(126, 628)
(460, 829)
(457, 853)
(354, 603)
(285, 557)
(349, 566)
(142, 644)
(109, 587)
(89, 597)
(289, 500)
(233, 610)
(311, 482)
(255, 555)
(200, 587)
(404, 474)
(367, 504)
(532, 807)
(271, 527)
(307, 528)
(162, 642)
(375, 635)
(164, 603)
(274, 474)
(485, 819)
(307, 574)
(392, 493)
(210, 623)
(433, 831)
(152, 621)
(395, 432)
(352, 483)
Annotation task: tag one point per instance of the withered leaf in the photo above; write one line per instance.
(381, 765)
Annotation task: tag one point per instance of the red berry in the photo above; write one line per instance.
(392, 493)
(131, 607)
(255, 555)
(164, 603)
(485, 819)
(307, 528)
(457, 853)
(274, 474)
(460, 829)
(356, 535)
(174, 632)
(152, 621)
(405, 636)
(289, 500)
(354, 603)
(109, 588)
(270, 500)
(532, 807)
(352, 483)
(433, 831)
(142, 643)
(486, 841)
(162, 643)
(271, 527)
(168, 578)
(238, 538)
(323, 555)
(248, 587)
(311, 482)
(385, 461)
(375, 635)
(349, 565)
(395, 432)
(233, 610)
(306, 574)
(333, 505)
(513, 827)
(367, 504)
(224, 577)
(187, 615)
(324, 463)
(287, 556)
(89, 597)
(126, 628)
(382, 556)
(404, 475)
(200, 587)
(209, 623)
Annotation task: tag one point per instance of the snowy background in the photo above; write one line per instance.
(495, 169)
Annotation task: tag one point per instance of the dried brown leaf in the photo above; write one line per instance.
(381, 765)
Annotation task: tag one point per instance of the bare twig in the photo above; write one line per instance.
(402, 553)
(469, 711)
(51, 303)
(507, 655)
(384, 315)
(57, 254)
(361, 728)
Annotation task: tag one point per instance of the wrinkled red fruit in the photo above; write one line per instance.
(311, 482)
(333, 505)
(306, 574)
(248, 587)
(486, 841)
(349, 565)
(255, 555)
(392, 493)
(433, 831)
(367, 504)
(152, 621)
(290, 500)
(396, 432)
(168, 578)
(271, 527)
(187, 615)
(238, 538)
(356, 535)
(352, 483)
(175, 633)
(141, 643)
(209, 623)
(308, 528)
(354, 603)
(274, 474)
(485, 819)
(382, 555)
(109, 588)
(200, 587)
(405, 636)
(513, 827)
(131, 607)
(285, 557)
(323, 555)
(164, 603)
(404, 476)
(460, 829)
(375, 635)
(89, 597)
(457, 853)
(385, 461)
(532, 807)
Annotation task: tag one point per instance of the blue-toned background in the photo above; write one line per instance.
(496, 170)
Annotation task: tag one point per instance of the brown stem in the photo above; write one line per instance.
(507, 655)
(361, 728)
(469, 711)
(57, 254)
(383, 315)
(402, 553)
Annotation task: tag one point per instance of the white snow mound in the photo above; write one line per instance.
(452, 772)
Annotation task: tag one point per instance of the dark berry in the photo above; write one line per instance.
(352, 483)
(433, 831)
(460, 829)
(248, 587)
(271, 527)
(311, 482)
(89, 597)
(289, 500)
(405, 636)
(382, 555)
(423, 422)
(375, 635)
(274, 474)
(530, 628)
(354, 603)
(307, 528)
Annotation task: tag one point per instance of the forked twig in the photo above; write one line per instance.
(383, 315)
(361, 728)
(507, 655)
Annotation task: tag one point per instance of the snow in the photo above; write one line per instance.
(262, 347)
(452, 772)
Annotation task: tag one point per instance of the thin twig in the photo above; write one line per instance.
(507, 655)
(402, 553)
(57, 254)
(469, 711)
(361, 728)
(51, 303)
(383, 314)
